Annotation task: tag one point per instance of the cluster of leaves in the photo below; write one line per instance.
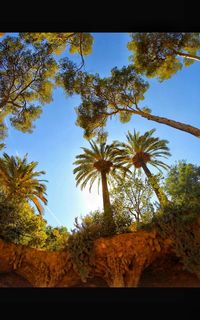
(27, 74)
(103, 97)
(56, 238)
(80, 242)
(178, 219)
(77, 42)
(26, 80)
(176, 222)
(158, 54)
(20, 224)
(132, 197)
(183, 185)
(19, 180)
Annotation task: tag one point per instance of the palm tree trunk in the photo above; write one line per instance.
(160, 194)
(106, 201)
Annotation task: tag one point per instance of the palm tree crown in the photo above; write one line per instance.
(143, 149)
(99, 163)
(18, 180)
(95, 161)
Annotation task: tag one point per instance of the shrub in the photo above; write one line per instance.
(177, 223)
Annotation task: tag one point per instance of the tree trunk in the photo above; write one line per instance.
(187, 55)
(106, 201)
(160, 195)
(172, 123)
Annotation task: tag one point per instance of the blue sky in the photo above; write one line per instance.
(56, 140)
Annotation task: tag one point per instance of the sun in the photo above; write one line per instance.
(92, 200)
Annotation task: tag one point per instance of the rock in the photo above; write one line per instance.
(118, 261)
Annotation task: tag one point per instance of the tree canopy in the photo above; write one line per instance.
(183, 184)
(27, 72)
(132, 197)
(26, 83)
(161, 55)
(120, 94)
(19, 181)
(76, 42)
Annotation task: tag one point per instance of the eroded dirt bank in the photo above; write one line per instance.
(129, 260)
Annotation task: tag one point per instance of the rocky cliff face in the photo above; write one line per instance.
(129, 260)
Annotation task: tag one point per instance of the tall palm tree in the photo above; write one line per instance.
(99, 163)
(18, 180)
(143, 149)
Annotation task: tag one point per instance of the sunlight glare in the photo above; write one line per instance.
(92, 200)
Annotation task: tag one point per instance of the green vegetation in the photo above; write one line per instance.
(81, 242)
(119, 94)
(161, 54)
(132, 198)
(183, 185)
(26, 80)
(142, 149)
(99, 163)
(19, 181)
(30, 69)
(19, 223)
(77, 42)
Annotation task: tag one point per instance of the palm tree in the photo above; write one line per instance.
(99, 163)
(143, 149)
(18, 180)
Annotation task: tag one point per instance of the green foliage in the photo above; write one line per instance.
(183, 185)
(19, 180)
(176, 222)
(56, 238)
(80, 242)
(158, 54)
(102, 97)
(26, 79)
(99, 163)
(132, 197)
(141, 150)
(77, 42)
(94, 161)
(20, 224)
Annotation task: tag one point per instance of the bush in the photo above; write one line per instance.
(20, 224)
(56, 238)
(177, 223)
(92, 227)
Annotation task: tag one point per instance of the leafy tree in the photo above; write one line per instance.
(20, 224)
(159, 54)
(133, 197)
(142, 149)
(19, 180)
(121, 218)
(26, 79)
(56, 238)
(183, 184)
(102, 98)
(98, 163)
(77, 42)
